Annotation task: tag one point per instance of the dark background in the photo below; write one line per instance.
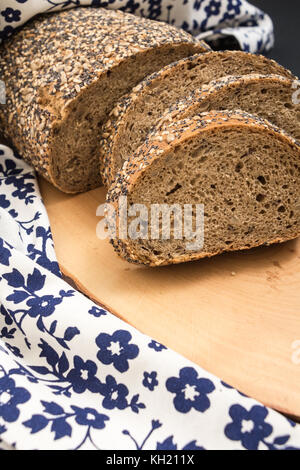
(286, 17)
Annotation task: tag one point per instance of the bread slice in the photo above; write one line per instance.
(269, 96)
(136, 113)
(244, 170)
(64, 73)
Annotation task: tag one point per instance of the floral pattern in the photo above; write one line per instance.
(150, 380)
(156, 346)
(190, 390)
(60, 421)
(115, 349)
(206, 19)
(97, 312)
(10, 398)
(72, 375)
(168, 444)
(11, 15)
(115, 394)
(251, 429)
(83, 376)
(4, 254)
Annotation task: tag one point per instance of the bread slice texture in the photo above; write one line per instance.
(64, 73)
(268, 96)
(138, 112)
(244, 170)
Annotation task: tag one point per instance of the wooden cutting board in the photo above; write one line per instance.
(236, 315)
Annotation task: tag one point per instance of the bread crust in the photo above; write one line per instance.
(158, 143)
(186, 107)
(49, 65)
(117, 119)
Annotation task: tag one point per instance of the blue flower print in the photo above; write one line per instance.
(58, 420)
(155, 424)
(41, 256)
(8, 320)
(42, 306)
(130, 6)
(4, 254)
(15, 350)
(168, 444)
(115, 394)
(234, 5)
(97, 311)
(23, 189)
(4, 203)
(156, 346)
(11, 15)
(213, 8)
(6, 32)
(191, 391)
(249, 427)
(9, 169)
(89, 417)
(197, 4)
(154, 9)
(83, 376)
(150, 380)
(10, 397)
(115, 349)
(12, 174)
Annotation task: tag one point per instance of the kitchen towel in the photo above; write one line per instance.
(206, 19)
(72, 375)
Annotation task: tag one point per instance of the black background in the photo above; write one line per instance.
(286, 17)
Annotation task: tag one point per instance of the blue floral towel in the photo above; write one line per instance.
(74, 376)
(207, 19)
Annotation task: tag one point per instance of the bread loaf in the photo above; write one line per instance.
(268, 96)
(244, 170)
(136, 113)
(64, 73)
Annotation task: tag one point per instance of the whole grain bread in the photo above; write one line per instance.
(136, 113)
(268, 96)
(243, 169)
(64, 73)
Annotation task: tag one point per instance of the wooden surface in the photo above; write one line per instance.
(236, 315)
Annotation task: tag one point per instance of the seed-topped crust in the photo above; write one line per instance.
(115, 127)
(49, 65)
(161, 142)
(199, 99)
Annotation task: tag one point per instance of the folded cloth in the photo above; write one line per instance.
(206, 19)
(74, 376)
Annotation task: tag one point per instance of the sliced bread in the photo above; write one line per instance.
(244, 170)
(64, 73)
(136, 113)
(268, 96)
